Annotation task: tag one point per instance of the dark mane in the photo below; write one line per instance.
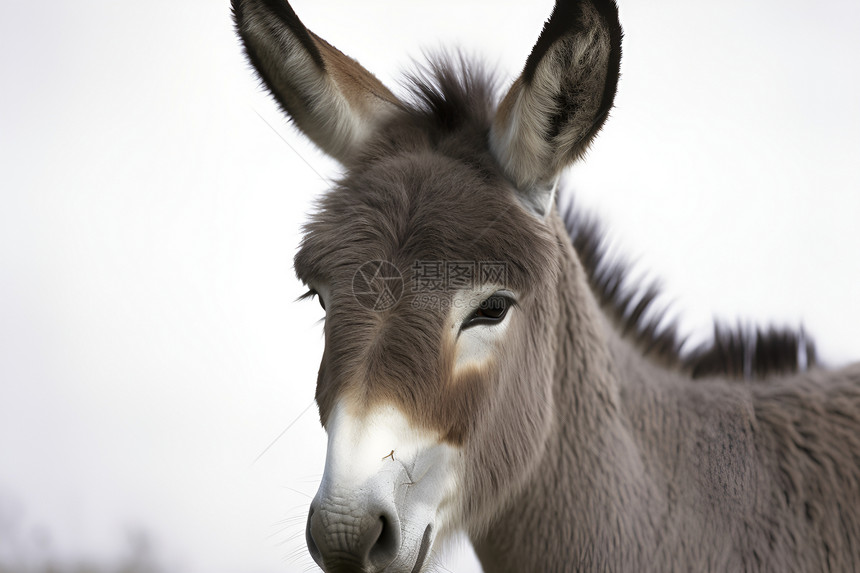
(452, 93)
(743, 352)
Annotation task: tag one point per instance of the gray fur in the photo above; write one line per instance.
(582, 452)
(658, 473)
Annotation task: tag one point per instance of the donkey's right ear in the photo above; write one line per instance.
(331, 97)
(559, 103)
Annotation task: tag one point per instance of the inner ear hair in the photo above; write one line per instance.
(331, 98)
(555, 108)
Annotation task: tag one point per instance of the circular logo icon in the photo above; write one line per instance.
(377, 285)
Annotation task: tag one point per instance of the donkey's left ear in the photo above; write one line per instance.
(559, 103)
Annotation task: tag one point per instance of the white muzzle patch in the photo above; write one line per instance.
(388, 491)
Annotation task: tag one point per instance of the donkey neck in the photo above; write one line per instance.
(590, 457)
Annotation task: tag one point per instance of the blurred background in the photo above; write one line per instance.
(156, 375)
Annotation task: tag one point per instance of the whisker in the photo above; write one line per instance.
(287, 527)
(290, 425)
(298, 509)
(290, 539)
(297, 491)
(313, 479)
(284, 139)
(297, 553)
(290, 520)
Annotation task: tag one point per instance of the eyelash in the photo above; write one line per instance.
(311, 294)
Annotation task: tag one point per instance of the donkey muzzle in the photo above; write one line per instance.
(344, 538)
(378, 504)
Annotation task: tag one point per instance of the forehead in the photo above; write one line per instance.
(423, 207)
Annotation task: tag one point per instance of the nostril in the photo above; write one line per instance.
(387, 543)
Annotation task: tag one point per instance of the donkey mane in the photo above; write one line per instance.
(742, 352)
(452, 91)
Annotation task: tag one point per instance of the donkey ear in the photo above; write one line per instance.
(559, 103)
(331, 97)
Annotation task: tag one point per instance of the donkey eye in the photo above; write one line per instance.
(311, 294)
(491, 311)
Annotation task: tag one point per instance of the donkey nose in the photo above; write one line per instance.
(341, 538)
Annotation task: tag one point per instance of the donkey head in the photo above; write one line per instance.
(436, 260)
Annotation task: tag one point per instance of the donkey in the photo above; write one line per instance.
(536, 408)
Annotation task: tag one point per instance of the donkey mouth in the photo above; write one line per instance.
(423, 550)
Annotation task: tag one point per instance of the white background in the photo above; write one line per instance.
(150, 347)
